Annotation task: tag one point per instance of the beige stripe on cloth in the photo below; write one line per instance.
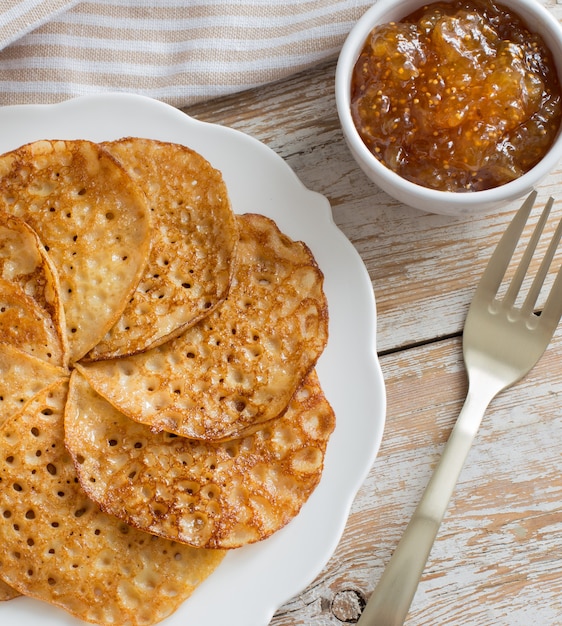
(178, 51)
(19, 18)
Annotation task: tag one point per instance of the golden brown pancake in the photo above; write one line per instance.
(23, 261)
(195, 421)
(58, 546)
(239, 366)
(218, 495)
(194, 237)
(21, 377)
(27, 326)
(93, 221)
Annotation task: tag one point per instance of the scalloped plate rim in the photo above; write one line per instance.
(254, 581)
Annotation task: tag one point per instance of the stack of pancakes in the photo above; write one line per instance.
(158, 399)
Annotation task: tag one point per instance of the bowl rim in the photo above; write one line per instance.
(543, 22)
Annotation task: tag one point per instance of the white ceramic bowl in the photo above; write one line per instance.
(538, 19)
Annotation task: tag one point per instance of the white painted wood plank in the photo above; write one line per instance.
(497, 558)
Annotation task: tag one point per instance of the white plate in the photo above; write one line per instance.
(254, 581)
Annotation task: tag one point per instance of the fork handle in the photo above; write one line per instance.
(390, 601)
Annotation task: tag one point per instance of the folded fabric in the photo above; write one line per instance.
(178, 51)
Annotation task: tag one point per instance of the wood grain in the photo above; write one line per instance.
(497, 557)
(497, 560)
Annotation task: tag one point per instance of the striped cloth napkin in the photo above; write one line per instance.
(178, 51)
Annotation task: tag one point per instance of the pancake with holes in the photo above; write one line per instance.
(21, 377)
(27, 326)
(92, 219)
(23, 261)
(239, 366)
(194, 237)
(214, 495)
(58, 546)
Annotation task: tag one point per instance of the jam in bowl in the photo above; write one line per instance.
(453, 106)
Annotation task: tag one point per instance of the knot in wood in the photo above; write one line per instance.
(347, 606)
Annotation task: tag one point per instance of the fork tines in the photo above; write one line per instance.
(503, 255)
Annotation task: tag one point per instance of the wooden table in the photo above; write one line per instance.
(498, 557)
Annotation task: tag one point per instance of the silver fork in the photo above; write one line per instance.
(501, 343)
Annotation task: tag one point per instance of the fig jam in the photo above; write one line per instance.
(458, 96)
